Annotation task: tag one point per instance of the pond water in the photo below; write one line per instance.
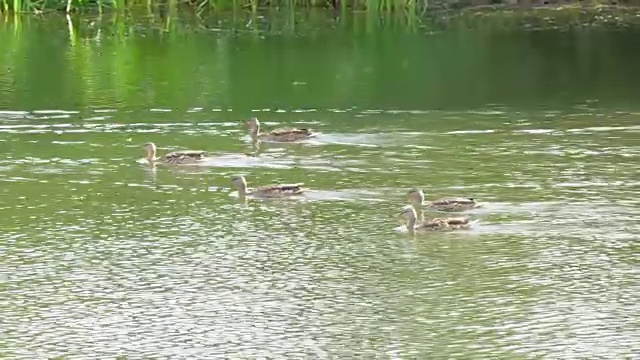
(103, 256)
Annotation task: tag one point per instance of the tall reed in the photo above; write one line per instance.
(201, 6)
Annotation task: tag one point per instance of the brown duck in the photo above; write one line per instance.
(267, 191)
(176, 157)
(416, 197)
(278, 135)
(433, 224)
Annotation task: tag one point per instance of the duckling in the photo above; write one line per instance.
(416, 196)
(433, 224)
(176, 157)
(279, 135)
(267, 191)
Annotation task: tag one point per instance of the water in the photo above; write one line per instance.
(103, 256)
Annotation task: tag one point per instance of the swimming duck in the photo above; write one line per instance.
(268, 191)
(433, 224)
(416, 196)
(176, 157)
(280, 135)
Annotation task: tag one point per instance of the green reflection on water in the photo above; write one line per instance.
(333, 66)
(107, 256)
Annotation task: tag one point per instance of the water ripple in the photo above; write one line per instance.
(106, 257)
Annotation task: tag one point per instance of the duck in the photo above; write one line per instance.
(416, 196)
(176, 157)
(279, 135)
(433, 224)
(267, 191)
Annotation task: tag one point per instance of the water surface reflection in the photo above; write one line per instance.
(104, 255)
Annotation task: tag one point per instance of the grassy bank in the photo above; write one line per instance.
(174, 18)
(200, 7)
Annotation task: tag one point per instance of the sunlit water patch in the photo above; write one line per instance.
(104, 256)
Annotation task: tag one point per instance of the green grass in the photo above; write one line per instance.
(411, 9)
(407, 14)
(199, 6)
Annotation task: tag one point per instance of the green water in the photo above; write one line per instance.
(101, 255)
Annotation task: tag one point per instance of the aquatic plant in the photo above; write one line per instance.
(199, 6)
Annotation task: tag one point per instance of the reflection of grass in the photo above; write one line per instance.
(117, 57)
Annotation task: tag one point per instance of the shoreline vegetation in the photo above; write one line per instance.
(176, 15)
(408, 8)
(173, 18)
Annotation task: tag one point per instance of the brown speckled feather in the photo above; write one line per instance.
(279, 190)
(453, 204)
(444, 224)
(184, 157)
(293, 134)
